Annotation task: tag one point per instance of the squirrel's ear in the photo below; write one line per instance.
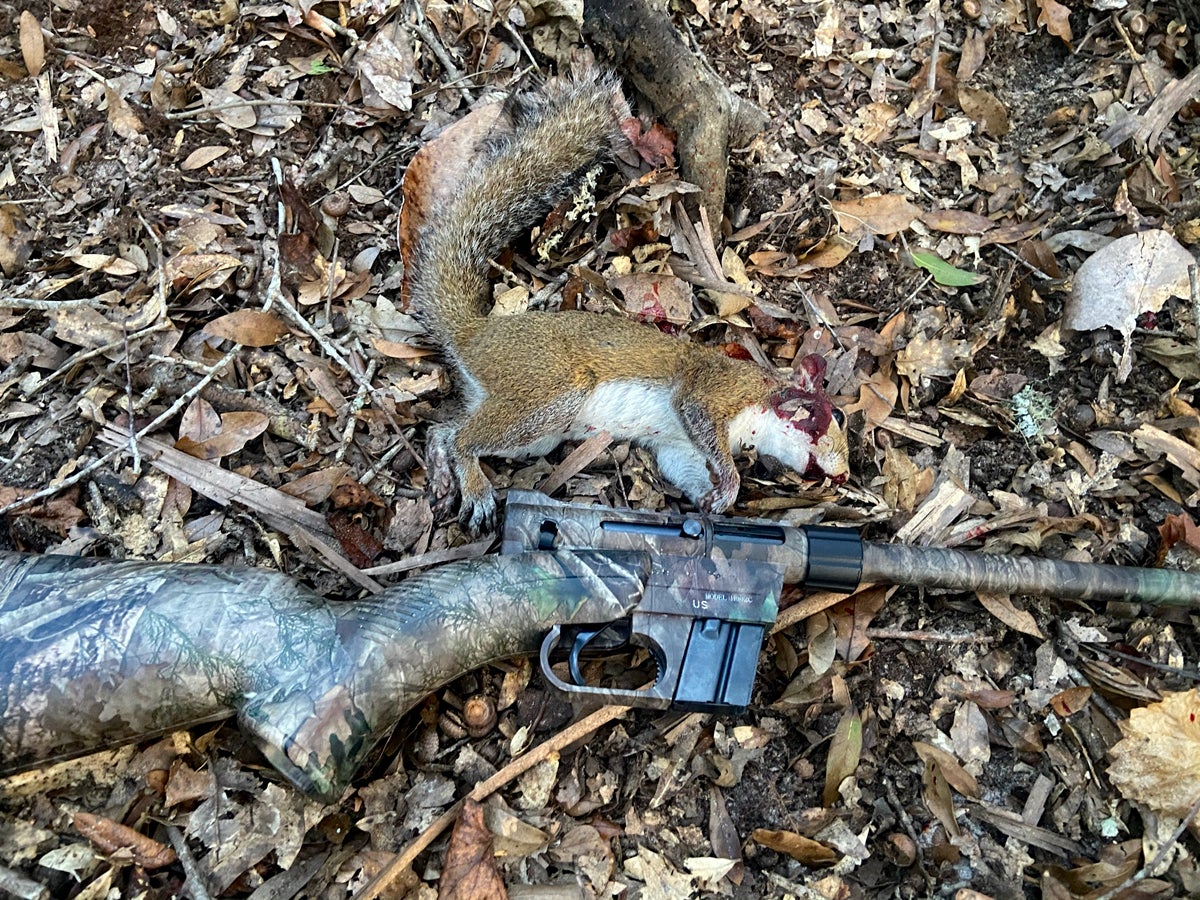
(809, 374)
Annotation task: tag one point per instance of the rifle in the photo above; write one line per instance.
(94, 654)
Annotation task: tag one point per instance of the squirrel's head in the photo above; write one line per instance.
(809, 418)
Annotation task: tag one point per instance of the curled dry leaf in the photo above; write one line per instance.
(111, 837)
(797, 846)
(1157, 763)
(237, 430)
(1001, 606)
(936, 791)
(956, 776)
(1056, 18)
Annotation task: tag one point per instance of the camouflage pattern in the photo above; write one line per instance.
(98, 653)
(994, 573)
(533, 521)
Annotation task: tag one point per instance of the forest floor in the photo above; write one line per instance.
(918, 209)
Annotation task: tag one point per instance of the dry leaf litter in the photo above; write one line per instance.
(982, 213)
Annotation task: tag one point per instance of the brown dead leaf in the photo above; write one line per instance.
(112, 838)
(202, 156)
(33, 43)
(1056, 18)
(797, 846)
(249, 327)
(985, 109)
(828, 253)
(386, 71)
(199, 421)
(956, 221)
(16, 244)
(1157, 762)
(121, 117)
(887, 214)
(200, 271)
(957, 777)
(655, 298)
(926, 357)
(1070, 701)
(236, 430)
(470, 872)
(1177, 528)
(59, 514)
(186, 784)
(360, 546)
(936, 792)
(1001, 606)
(655, 145)
(851, 618)
(845, 751)
(315, 487)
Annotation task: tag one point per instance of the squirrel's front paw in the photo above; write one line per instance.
(724, 493)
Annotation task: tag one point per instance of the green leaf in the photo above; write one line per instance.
(944, 273)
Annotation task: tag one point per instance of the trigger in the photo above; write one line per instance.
(603, 638)
(582, 639)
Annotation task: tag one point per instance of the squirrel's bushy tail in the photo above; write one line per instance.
(547, 138)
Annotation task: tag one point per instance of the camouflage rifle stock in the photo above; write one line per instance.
(94, 654)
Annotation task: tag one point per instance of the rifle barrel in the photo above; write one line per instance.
(993, 573)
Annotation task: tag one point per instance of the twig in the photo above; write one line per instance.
(384, 461)
(49, 305)
(198, 111)
(926, 139)
(516, 36)
(433, 558)
(569, 735)
(356, 406)
(891, 634)
(194, 881)
(575, 462)
(130, 412)
(1138, 59)
(1194, 284)
(422, 30)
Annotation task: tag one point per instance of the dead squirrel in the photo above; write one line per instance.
(532, 380)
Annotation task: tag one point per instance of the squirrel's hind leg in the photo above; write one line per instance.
(494, 428)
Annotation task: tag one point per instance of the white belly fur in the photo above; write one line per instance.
(633, 411)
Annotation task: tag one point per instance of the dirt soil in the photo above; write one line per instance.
(199, 206)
